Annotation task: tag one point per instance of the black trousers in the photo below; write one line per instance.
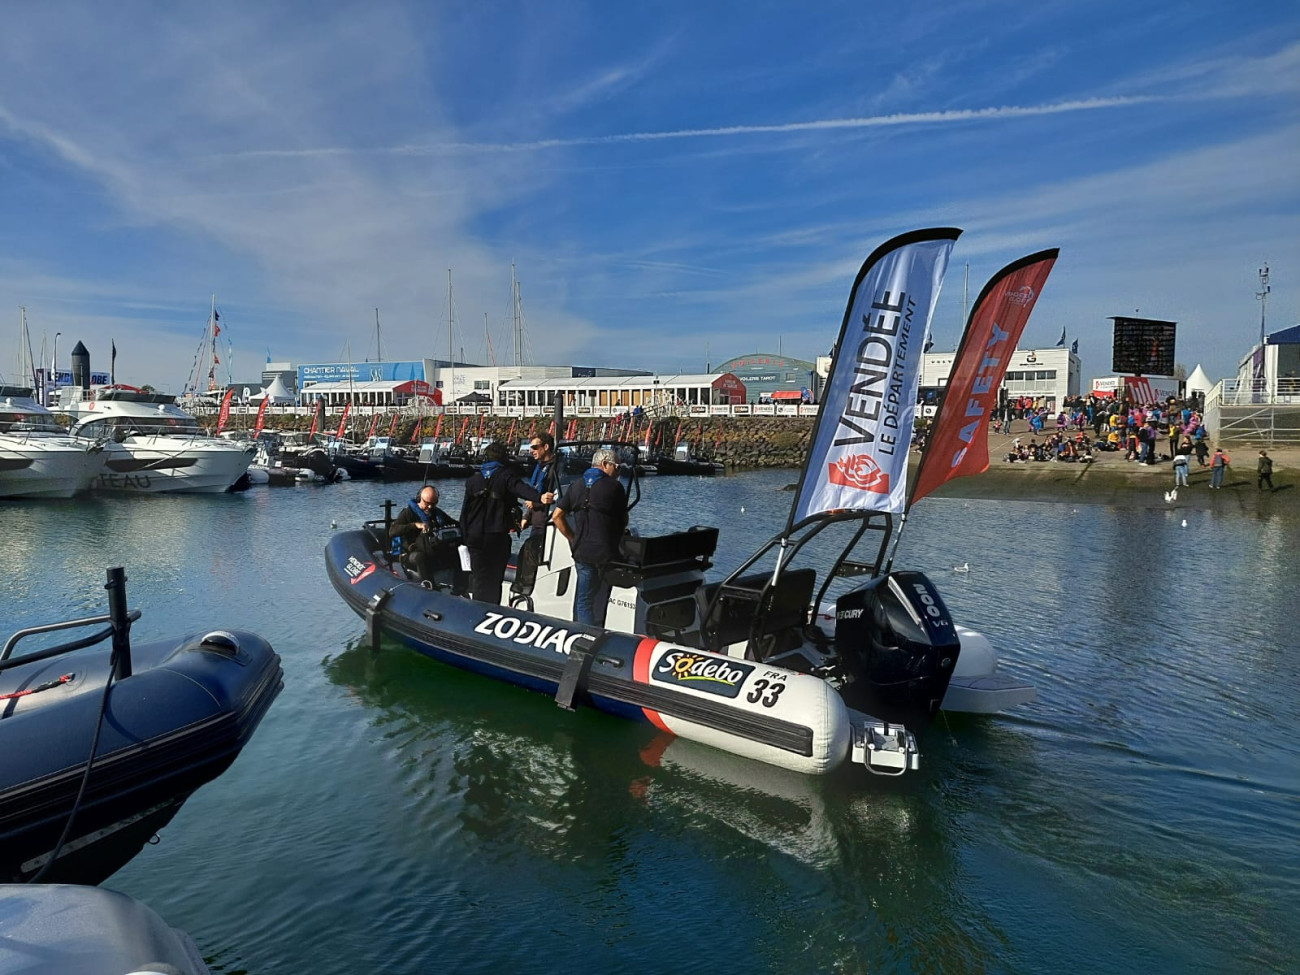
(488, 555)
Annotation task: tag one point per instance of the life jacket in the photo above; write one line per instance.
(494, 497)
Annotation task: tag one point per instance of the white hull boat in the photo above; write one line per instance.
(154, 447)
(37, 457)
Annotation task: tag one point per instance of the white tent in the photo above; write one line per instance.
(1198, 382)
(277, 393)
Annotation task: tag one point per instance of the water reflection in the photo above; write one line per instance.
(616, 800)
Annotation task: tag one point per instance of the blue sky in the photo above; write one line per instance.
(677, 183)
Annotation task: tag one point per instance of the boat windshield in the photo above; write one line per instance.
(120, 427)
(18, 422)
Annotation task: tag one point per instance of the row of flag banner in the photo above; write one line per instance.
(863, 433)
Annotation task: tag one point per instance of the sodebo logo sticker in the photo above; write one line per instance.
(685, 669)
(527, 632)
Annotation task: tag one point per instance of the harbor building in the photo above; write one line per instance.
(606, 395)
(770, 377)
(1044, 376)
(1262, 403)
(391, 385)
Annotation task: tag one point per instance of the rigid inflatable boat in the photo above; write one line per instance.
(75, 930)
(105, 740)
(763, 711)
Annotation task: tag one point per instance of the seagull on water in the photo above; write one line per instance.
(964, 567)
(1184, 522)
(1171, 496)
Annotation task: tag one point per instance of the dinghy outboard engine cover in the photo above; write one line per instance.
(897, 647)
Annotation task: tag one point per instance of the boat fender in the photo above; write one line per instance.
(373, 610)
(573, 681)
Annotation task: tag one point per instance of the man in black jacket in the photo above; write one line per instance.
(488, 516)
(425, 536)
(592, 515)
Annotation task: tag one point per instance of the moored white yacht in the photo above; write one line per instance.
(163, 448)
(38, 459)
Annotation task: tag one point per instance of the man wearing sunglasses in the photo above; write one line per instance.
(544, 480)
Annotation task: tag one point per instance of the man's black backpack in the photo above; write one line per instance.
(493, 494)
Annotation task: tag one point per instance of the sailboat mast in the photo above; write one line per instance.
(26, 362)
(450, 357)
(515, 332)
(965, 299)
(379, 345)
(213, 330)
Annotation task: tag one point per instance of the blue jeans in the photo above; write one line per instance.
(1216, 476)
(1180, 475)
(591, 596)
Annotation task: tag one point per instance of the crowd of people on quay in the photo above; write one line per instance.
(1084, 426)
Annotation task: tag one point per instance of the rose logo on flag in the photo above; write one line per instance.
(1021, 296)
(859, 471)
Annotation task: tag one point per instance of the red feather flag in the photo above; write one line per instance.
(958, 443)
(261, 412)
(224, 415)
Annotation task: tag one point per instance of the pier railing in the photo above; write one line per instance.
(698, 411)
(1260, 412)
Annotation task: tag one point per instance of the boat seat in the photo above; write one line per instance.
(647, 556)
(768, 618)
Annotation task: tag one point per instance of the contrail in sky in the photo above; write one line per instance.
(874, 121)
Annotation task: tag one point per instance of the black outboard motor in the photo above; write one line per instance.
(898, 647)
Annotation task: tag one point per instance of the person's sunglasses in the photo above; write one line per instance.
(534, 446)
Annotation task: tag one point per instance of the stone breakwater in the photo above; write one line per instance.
(740, 443)
(753, 443)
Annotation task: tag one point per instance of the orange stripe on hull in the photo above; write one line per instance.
(641, 674)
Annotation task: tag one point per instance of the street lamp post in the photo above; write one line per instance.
(1262, 295)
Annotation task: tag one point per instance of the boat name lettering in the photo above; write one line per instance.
(849, 614)
(717, 676)
(527, 632)
(879, 370)
(120, 482)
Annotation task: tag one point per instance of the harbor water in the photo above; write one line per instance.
(392, 814)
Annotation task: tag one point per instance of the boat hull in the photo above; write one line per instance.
(766, 713)
(45, 467)
(162, 465)
(177, 722)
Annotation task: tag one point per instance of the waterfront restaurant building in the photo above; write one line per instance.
(605, 395)
(392, 385)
